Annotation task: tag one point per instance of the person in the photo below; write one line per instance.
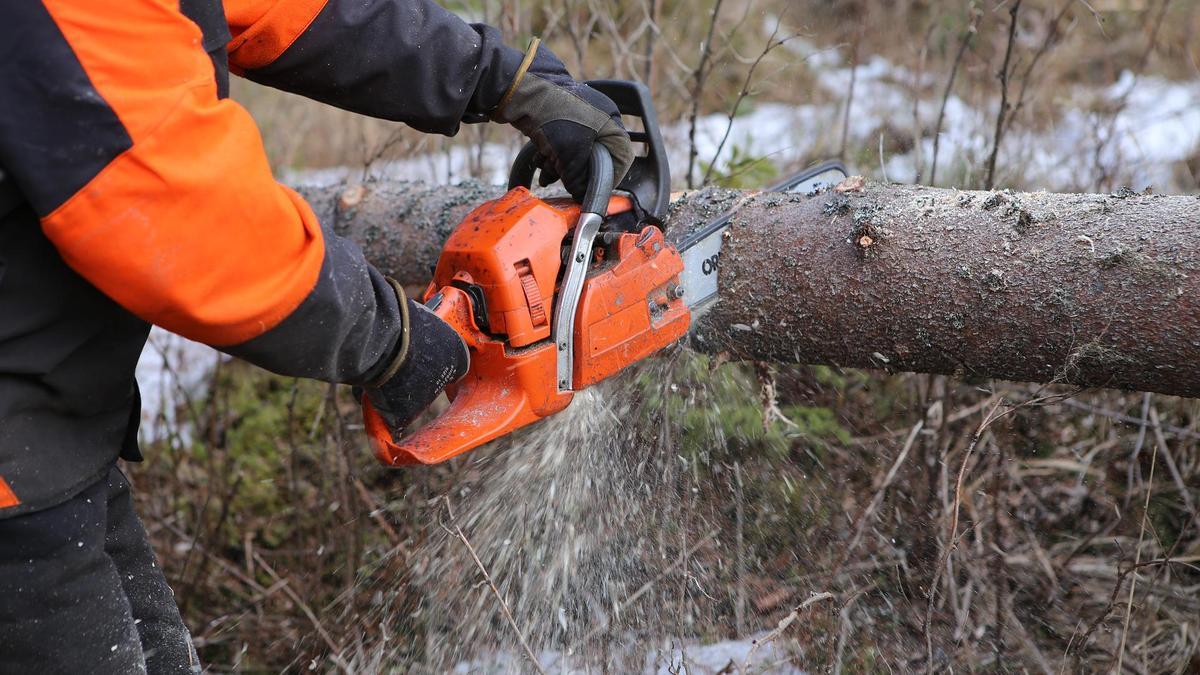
(135, 192)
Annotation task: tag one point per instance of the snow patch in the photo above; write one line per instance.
(1158, 127)
(172, 374)
(707, 659)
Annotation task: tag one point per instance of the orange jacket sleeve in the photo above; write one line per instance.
(264, 29)
(158, 192)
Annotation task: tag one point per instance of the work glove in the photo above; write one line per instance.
(564, 119)
(430, 357)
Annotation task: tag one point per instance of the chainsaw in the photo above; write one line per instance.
(552, 297)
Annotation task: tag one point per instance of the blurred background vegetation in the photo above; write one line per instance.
(981, 526)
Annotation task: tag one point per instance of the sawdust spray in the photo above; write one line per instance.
(583, 524)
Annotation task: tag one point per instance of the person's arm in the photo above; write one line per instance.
(410, 61)
(414, 62)
(160, 195)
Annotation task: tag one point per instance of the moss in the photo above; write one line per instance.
(817, 423)
(994, 280)
(743, 170)
(263, 412)
(839, 379)
(719, 413)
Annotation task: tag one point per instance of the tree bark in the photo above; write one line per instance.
(1084, 289)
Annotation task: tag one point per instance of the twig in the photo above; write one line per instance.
(492, 585)
(351, 531)
(579, 34)
(918, 78)
(220, 562)
(1112, 600)
(882, 491)
(850, 93)
(1134, 467)
(998, 567)
(770, 401)
(376, 511)
(783, 625)
(700, 75)
(201, 572)
(1103, 172)
(1095, 15)
(335, 651)
(772, 44)
(739, 607)
(1137, 559)
(1029, 643)
(1052, 35)
(1003, 75)
(952, 542)
(369, 158)
(882, 166)
(1184, 494)
(622, 606)
(652, 8)
(1115, 416)
(964, 43)
(845, 627)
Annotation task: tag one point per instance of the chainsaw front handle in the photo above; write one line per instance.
(600, 176)
(648, 179)
(600, 183)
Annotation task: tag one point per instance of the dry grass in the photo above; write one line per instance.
(1025, 558)
(1058, 44)
(982, 528)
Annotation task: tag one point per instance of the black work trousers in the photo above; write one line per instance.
(80, 591)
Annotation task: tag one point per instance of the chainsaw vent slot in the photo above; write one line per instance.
(533, 294)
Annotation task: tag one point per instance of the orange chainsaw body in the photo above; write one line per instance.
(496, 283)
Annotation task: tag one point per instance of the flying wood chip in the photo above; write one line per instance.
(850, 184)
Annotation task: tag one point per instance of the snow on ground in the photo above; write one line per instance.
(444, 168)
(172, 374)
(706, 659)
(1160, 125)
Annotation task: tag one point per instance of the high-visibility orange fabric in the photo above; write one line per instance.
(187, 229)
(7, 497)
(264, 29)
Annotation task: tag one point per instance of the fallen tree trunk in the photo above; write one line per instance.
(1093, 290)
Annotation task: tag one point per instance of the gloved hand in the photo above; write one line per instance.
(564, 119)
(431, 356)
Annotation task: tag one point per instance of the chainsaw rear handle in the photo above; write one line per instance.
(600, 176)
(499, 393)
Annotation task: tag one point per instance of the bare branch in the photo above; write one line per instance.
(457, 531)
(699, 77)
(965, 42)
(1004, 74)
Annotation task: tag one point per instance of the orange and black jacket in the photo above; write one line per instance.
(134, 192)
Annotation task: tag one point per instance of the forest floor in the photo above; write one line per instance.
(845, 520)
